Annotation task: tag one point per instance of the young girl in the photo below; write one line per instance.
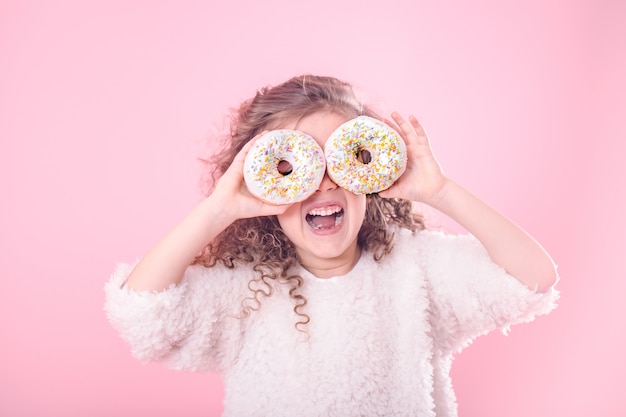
(357, 313)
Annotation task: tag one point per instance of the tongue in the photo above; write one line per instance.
(323, 222)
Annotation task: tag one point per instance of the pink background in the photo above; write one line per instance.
(105, 107)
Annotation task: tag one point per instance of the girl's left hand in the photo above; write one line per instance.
(423, 179)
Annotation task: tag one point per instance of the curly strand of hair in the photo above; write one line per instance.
(260, 287)
(300, 301)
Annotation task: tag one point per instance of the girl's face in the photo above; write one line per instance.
(324, 228)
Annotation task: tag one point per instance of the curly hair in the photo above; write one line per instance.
(260, 241)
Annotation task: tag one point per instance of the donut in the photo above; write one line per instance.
(284, 166)
(365, 156)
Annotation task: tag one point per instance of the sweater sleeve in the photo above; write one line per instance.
(470, 294)
(187, 326)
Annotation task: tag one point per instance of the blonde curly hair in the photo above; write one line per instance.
(260, 241)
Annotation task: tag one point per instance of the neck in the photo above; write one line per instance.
(332, 267)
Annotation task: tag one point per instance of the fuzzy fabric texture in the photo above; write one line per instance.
(380, 341)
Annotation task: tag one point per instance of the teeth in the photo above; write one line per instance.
(325, 211)
(320, 218)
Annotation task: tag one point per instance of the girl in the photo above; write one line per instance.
(356, 315)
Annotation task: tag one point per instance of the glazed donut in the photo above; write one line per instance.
(284, 166)
(365, 156)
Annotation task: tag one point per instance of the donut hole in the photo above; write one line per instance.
(363, 155)
(284, 167)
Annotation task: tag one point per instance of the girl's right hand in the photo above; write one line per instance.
(232, 193)
(166, 262)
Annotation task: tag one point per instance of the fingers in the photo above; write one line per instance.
(411, 130)
(393, 125)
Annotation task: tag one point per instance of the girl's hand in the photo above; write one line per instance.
(507, 244)
(232, 193)
(423, 179)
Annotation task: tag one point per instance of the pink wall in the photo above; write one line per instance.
(104, 109)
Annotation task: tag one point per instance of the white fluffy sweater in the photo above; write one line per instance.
(380, 341)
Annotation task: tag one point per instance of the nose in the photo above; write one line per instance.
(327, 184)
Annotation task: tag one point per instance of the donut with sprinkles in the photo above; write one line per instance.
(365, 156)
(284, 166)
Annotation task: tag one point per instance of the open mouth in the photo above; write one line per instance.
(325, 218)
